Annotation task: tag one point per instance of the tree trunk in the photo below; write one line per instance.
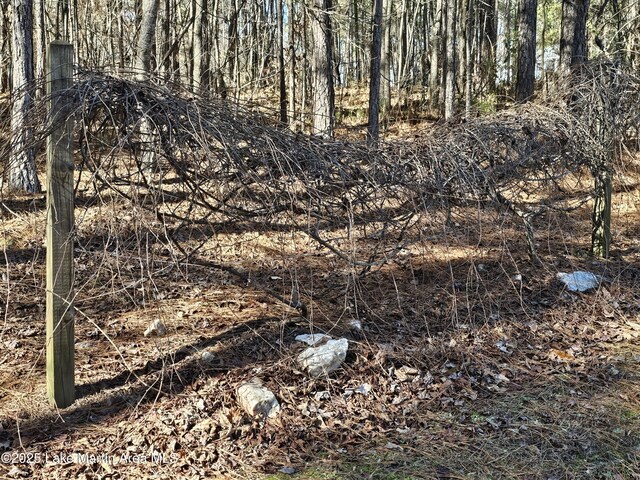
(5, 46)
(163, 39)
(322, 68)
(437, 50)
(385, 60)
(450, 62)
(146, 42)
(488, 50)
(292, 65)
(146, 38)
(469, 59)
(22, 174)
(527, 51)
(281, 66)
(373, 130)
(40, 31)
(198, 52)
(573, 35)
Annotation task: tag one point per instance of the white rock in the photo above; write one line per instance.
(311, 339)
(325, 358)
(257, 400)
(155, 328)
(207, 357)
(355, 324)
(579, 281)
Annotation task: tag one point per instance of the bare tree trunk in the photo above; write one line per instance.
(146, 42)
(163, 38)
(121, 59)
(200, 53)
(469, 59)
(306, 66)
(437, 50)
(281, 67)
(527, 51)
(450, 62)
(40, 31)
(488, 50)
(373, 129)
(292, 65)
(21, 173)
(146, 38)
(322, 67)
(385, 60)
(5, 46)
(573, 35)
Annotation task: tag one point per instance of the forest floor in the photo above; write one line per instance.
(480, 363)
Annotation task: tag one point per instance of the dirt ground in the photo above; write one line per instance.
(480, 363)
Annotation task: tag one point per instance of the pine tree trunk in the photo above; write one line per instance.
(281, 67)
(450, 62)
(373, 130)
(489, 44)
(527, 51)
(469, 59)
(573, 34)
(21, 173)
(322, 68)
(292, 66)
(437, 50)
(385, 60)
(5, 46)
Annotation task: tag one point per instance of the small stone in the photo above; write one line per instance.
(257, 400)
(288, 470)
(355, 324)
(325, 358)
(312, 339)
(156, 328)
(207, 357)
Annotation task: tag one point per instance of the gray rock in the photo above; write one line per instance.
(257, 400)
(324, 359)
(579, 281)
(156, 328)
(207, 357)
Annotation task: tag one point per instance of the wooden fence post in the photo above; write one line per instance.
(60, 223)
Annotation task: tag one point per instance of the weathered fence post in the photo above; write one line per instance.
(60, 203)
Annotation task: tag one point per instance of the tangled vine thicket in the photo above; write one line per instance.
(202, 165)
